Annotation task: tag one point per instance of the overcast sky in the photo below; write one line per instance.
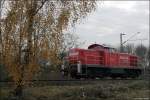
(112, 18)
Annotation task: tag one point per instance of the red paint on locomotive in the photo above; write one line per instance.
(103, 56)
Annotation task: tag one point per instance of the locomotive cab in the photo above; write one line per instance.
(110, 49)
(75, 64)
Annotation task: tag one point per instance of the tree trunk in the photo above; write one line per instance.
(28, 52)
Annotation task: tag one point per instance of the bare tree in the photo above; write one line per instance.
(141, 51)
(70, 40)
(148, 58)
(129, 48)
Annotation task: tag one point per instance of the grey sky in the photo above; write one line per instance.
(113, 17)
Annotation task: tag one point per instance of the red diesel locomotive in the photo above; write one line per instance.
(101, 61)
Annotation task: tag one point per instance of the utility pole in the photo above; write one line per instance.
(121, 43)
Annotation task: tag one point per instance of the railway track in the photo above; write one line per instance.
(51, 80)
(63, 82)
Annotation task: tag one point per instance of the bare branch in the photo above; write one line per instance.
(43, 2)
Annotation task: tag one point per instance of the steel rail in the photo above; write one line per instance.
(74, 80)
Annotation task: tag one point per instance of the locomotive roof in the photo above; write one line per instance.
(95, 45)
(98, 45)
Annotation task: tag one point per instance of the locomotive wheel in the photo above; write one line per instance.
(101, 76)
(92, 77)
(123, 76)
(113, 77)
(133, 76)
(77, 77)
(73, 75)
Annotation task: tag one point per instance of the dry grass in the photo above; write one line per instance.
(110, 90)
